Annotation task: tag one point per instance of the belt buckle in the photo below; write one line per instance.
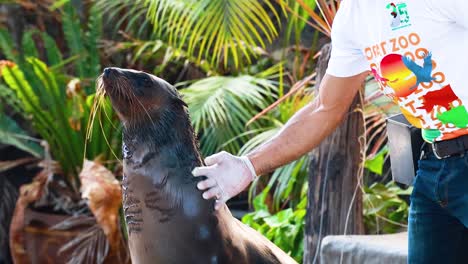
(436, 154)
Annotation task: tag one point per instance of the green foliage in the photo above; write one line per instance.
(384, 209)
(128, 16)
(220, 106)
(165, 55)
(286, 182)
(285, 228)
(57, 104)
(215, 29)
(12, 134)
(83, 40)
(7, 45)
(376, 163)
(207, 34)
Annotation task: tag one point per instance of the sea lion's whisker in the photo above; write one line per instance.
(96, 107)
(108, 117)
(146, 111)
(107, 141)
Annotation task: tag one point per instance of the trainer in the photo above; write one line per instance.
(418, 52)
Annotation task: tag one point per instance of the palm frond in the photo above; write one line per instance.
(215, 29)
(320, 12)
(127, 16)
(220, 107)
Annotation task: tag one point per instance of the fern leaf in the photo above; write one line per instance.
(74, 37)
(29, 44)
(7, 47)
(54, 56)
(92, 37)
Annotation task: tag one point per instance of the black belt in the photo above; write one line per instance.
(447, 148)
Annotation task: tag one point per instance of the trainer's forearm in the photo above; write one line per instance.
(308, 127)
(303, 132)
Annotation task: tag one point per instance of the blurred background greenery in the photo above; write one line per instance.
(231, 60)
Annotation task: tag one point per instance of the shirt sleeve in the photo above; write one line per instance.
(347, 58)
(453, 10)
(459, 9)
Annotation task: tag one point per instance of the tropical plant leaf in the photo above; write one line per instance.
(12, 134)
(285, 228)
(376, 163)
(54, 56)
(287, 182)
(93, 34)
(16, 80)
(126, 15)
(220, 107)
(8, 96)
(7, 46)
(216, 29)
(385, 211)
(29, 46)
(74, 37)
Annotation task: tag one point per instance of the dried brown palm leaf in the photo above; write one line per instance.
(103, 192)
(29, 193)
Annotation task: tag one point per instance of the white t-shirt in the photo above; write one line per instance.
(417, 51)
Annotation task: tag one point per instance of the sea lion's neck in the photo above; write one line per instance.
(168, 134)
(158, 160)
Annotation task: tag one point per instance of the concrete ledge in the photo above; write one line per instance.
(369, 249)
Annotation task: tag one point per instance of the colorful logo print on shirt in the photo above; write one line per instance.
(406, 77)
(399, 15)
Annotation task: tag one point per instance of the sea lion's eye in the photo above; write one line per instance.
(143, 82)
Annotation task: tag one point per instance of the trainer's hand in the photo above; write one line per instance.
(227, 176)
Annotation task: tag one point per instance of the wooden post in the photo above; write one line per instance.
(335, 201)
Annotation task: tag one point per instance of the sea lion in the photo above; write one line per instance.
(167, 219)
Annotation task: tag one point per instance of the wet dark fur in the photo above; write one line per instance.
(167, 219)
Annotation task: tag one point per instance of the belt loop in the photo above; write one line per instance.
(423, 151)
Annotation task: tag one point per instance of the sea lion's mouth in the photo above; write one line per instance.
(119, 86)
(115, 84)
(138, 96)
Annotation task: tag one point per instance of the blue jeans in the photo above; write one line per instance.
(438, 217)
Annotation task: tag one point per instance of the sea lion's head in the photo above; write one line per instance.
(138, 96)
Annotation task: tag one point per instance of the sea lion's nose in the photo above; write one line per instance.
(107, 71)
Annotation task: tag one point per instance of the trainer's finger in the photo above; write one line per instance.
(215, 158)
(208, 183)
(213, 192)
(202, 171)
(219, 204)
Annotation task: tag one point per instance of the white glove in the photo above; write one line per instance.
(227, 175)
